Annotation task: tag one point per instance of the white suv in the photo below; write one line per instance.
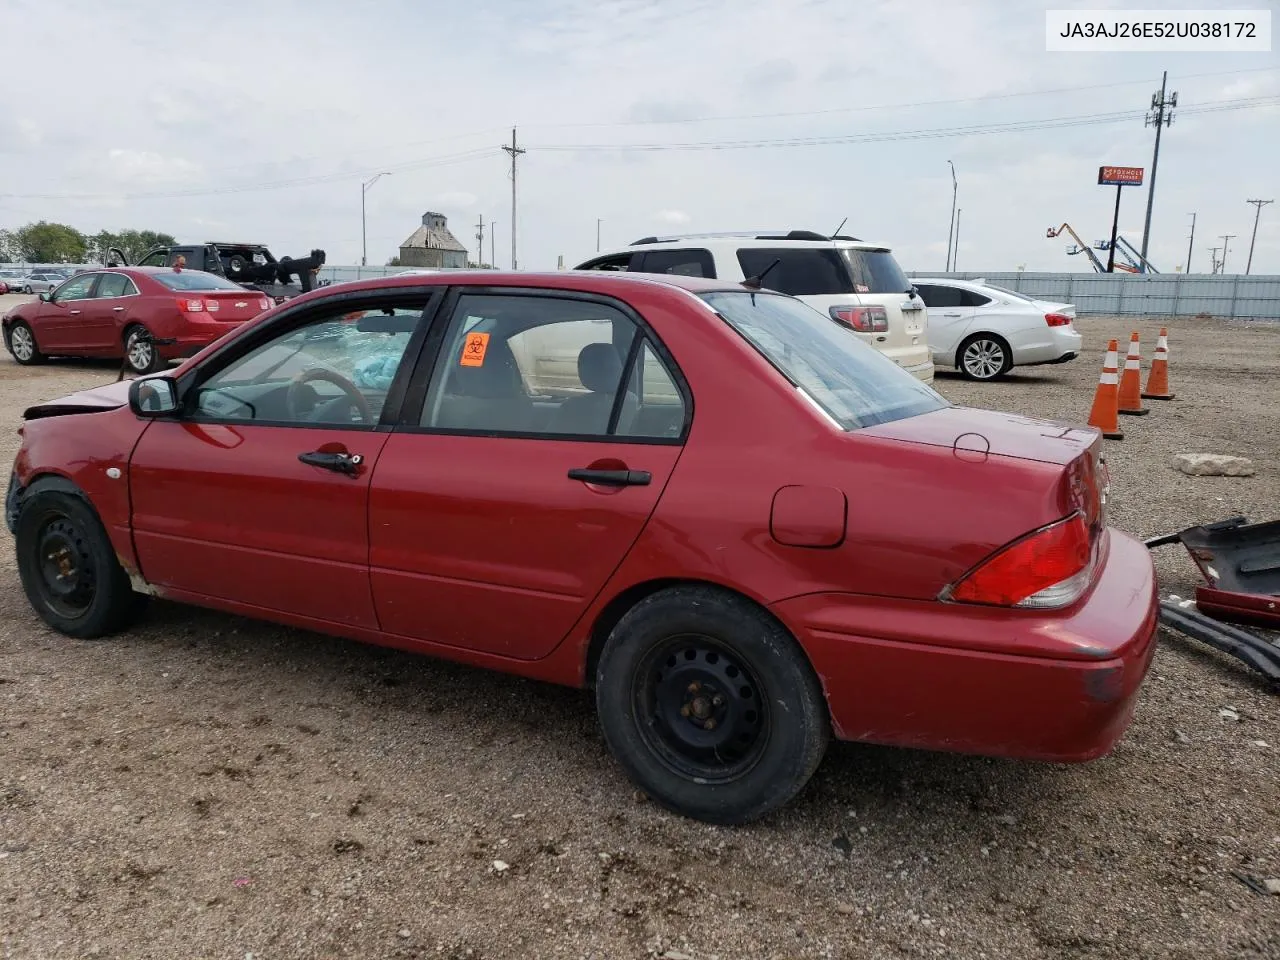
(859, 285)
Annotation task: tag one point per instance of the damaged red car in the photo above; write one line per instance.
(745, 530)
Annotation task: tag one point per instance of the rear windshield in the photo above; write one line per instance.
(815, 272)
(194, 280)
(854, 383)
(876, 271)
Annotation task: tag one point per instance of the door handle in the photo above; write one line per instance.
(952, 314)
(337, 462)
(117, 309)
(612, 478)
(73, 312)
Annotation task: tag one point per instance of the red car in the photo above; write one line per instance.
(746, 530)
(100, 313)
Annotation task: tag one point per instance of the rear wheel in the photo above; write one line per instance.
(984, 356)
(68, 568)
(27, 290)
(139, 351)
(710, 705)
(22, 344)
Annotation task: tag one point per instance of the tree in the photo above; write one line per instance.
(134, 244)
(46, 242)
(394, 262)
(8, 247)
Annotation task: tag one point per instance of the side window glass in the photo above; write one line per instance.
(113, 285)
(532, 365)
(971, 299)
(798, 273)
(156, 259)
(943, 296)
(659, 406)
(76, 289)
(337, 369)
(618, 262)
(926, 294)
(685, 263)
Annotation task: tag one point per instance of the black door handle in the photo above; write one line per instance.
(337, 462)
(612, 478)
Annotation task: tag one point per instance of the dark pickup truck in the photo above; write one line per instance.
(251, 265)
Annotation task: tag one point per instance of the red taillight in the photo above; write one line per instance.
(1057, 319)
(862, 319)
(193, 305)
(1046, 569)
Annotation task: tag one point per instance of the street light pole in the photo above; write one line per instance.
(598, 219)
(955, 186)
(364, 239)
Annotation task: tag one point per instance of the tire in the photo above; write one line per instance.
(984, 356)
(710, 706)
(27, 290)
(236, 264)
(69, 570)
(141, 358)
(23, 346)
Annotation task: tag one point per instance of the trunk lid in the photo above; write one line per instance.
(1000, 434)
(230, 306)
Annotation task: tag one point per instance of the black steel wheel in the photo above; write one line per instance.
(710, 705)
(68, 568)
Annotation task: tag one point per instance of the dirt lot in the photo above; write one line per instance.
(217, 788)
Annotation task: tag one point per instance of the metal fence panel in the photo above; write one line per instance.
(1152, 295)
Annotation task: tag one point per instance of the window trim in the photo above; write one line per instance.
(238, 346)
(633, 257)
(424, 369)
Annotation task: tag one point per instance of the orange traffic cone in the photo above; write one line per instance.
(1106, 401)
(1131, 382)
(1158, 378)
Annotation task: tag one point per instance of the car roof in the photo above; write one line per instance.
(965, 285)
(582, 280)
(800, 239)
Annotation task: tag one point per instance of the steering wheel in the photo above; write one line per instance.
(296, 391)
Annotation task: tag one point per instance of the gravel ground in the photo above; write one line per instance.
(213, 787)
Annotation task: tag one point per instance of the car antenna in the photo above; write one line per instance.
(754, 282)
(839, 228)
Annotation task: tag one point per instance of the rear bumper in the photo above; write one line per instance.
(1027, 685)
(1059, 347)
(921, 371)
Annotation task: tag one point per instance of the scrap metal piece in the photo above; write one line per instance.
(1264, 657)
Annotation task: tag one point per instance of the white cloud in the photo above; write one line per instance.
(674, 217)
(143, 166)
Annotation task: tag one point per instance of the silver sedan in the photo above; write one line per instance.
(38, 282)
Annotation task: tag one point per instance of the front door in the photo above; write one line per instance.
(521, 476)
(63, 320)
(107, 313)
(258, 493)
(949, 318)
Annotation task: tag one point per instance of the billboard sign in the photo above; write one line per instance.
(1120, 176)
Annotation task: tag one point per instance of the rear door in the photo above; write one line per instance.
(526, 465)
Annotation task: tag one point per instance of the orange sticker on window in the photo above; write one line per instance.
(473, 350)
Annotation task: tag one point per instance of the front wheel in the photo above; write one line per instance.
(984, 356)
(139, 351)
(27, 290)
(68, 568)
(22, 344)
(710, 705)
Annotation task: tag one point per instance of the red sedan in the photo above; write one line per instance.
(744, 529)
(101, 313)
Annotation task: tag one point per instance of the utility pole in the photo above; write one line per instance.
(364, 242)
(1115, 226)
(480, 239)
(1161, 115)
(1258, 205)
(1190, 240)
(955, 257)
(598, 219)
(515, 152)
(493, 244)
(1213, 259)
(951, 227)
(1225, 238)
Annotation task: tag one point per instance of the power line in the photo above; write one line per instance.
(927, 133)
(881, 106)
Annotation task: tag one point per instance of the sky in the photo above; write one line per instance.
(262, 123)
